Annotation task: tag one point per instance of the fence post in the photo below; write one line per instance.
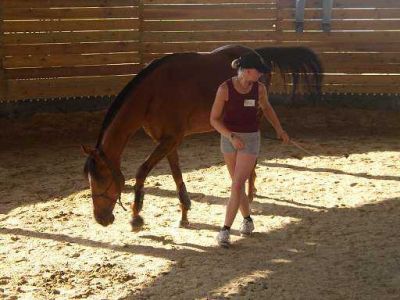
(141, 31)
(3, 79)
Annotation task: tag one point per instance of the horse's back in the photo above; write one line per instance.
(183, 91)
(190, 73)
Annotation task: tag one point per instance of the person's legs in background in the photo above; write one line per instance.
(326, 15)
(300, 5)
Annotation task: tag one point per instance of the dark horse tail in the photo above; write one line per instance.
(301, 63)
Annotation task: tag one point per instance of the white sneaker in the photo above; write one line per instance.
(223, 238)
(247, 227)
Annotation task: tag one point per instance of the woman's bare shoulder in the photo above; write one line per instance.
(261, 85)
(262, 88)
(223, 86)
(223, 91)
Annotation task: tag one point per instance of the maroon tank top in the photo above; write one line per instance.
(240, 111)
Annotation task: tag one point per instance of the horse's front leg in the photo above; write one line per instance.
(163, 148)
(137, 221)
(184, 198)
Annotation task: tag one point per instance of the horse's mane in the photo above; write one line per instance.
(119, 101)
(121, 97)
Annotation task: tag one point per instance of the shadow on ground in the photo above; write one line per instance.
(357, 257)
(314, 258)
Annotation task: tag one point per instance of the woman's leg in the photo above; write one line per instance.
(230, 161)
(243, 167)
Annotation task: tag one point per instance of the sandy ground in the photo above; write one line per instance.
(327, 226)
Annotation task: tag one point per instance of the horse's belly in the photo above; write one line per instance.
(199, 122)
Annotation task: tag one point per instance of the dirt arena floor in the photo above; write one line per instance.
(327, 225)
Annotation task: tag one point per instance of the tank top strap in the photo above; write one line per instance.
(254, 90)
(231, 88)
(229, 83)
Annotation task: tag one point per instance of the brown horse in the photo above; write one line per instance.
(172, 98)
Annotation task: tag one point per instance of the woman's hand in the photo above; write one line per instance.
(237, 142)
(283, 136)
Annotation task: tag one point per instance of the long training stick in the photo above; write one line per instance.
(296, 144)
(302, 148)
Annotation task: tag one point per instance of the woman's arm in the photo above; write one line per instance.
(270, 114)
(216, 116)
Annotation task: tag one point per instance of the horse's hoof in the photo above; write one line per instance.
(137, 223)
(184, 224)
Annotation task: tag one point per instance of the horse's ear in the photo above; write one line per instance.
(86, 150)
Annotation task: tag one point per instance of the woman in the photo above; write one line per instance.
(234, 116)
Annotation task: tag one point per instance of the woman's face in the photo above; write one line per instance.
(252, 74)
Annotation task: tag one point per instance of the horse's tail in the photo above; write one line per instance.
(301, 63)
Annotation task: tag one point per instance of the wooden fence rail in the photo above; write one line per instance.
(73, 48)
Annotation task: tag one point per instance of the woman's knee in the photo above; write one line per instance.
(238, 186)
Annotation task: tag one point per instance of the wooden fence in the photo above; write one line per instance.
(74, 48)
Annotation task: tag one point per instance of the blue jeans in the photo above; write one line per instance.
(326, 10)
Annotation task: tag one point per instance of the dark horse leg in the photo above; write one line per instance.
(163, 148)
(184, 199)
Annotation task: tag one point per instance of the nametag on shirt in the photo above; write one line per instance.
(249, 103)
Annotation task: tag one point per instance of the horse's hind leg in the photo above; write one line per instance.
(163, 148)
(184, 198)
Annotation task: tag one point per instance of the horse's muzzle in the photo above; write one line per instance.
(104, 220)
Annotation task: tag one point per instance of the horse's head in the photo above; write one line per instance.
(106, 183)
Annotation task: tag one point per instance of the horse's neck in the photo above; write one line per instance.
(116, 137)
(125, 123)
(113, 145)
